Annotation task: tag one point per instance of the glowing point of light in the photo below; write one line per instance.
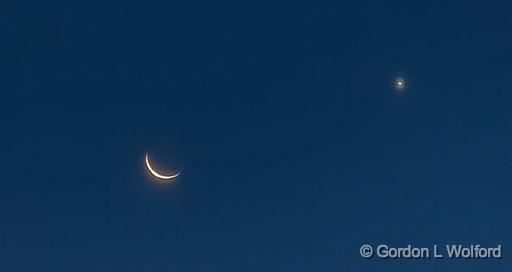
(399, 83)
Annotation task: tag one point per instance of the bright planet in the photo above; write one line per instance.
(399, 84)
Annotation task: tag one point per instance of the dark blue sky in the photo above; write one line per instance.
(294, 148)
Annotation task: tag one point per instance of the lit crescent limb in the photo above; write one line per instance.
(155, 173)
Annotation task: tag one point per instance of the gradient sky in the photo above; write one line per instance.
(294, 148)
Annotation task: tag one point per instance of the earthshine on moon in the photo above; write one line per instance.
(155, 173)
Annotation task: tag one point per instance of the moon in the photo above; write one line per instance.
(155, 173)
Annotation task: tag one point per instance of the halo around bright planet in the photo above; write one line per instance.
(399, 84)
(156, 174)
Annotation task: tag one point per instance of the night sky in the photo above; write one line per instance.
(294, 146)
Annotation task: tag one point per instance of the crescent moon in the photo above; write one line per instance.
(155, 173)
